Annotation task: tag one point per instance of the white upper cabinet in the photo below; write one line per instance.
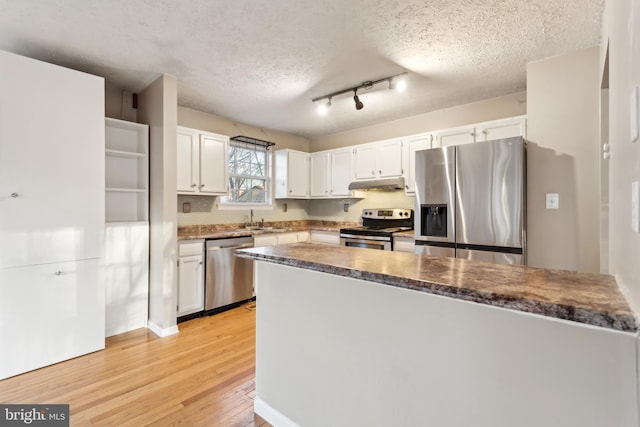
(330, 173)
(52, 163)
(411, 145)
(382, 159)
(202, 162)
(456, 136)
(499, 129)
(213, 163)
(319, 170)
(485, 131)
(341, 175)
(291, 174)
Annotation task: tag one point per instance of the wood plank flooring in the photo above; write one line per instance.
(203, 376)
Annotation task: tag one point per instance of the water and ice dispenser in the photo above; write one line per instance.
(433, 220)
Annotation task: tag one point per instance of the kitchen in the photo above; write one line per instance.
(554, 146)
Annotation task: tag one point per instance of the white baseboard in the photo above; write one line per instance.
(271, 415)
(162, 332)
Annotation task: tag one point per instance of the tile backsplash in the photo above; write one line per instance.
(204, 209)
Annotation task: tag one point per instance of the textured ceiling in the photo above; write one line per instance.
(261, 62)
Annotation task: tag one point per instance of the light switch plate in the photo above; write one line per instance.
(635, 208)
(553, 201)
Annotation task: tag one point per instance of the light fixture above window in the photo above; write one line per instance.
(396, 82)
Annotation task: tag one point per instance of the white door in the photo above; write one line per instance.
(213, 164)
(190, 284)
(298, 174)
(341, 172)
(49, 313)
(389, 158)
(187, 160)
(365, 161)
(52, 163)
(319, 175)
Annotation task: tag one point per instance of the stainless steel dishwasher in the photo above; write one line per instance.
(229, 279)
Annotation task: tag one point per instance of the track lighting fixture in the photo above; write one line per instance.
(359, 104)
(396, 82)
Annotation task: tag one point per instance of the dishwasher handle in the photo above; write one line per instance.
(244, 245)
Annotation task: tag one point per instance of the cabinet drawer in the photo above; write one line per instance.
(190, 247)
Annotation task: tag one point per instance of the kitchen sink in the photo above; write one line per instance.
(258, 228)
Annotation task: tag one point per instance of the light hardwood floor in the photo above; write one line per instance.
(203, 376)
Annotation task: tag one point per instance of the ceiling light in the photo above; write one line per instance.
(323, 109)
(396, 82)
(359, 104)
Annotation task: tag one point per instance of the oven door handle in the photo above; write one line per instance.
(361, 237)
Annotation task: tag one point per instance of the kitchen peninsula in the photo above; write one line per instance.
(349, 336)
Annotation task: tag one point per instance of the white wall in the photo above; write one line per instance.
(158, 108)
(621, 31)
(563, 157)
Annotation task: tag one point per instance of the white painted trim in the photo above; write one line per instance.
(162, 332)
(271, 415)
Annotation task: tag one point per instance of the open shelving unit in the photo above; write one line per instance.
(127, 171)
(127, 228)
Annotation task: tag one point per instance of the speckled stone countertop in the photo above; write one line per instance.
(592, 299)
(222, 231)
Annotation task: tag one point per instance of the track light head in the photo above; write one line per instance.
(323, 108)
(398, 83)
(359, 104)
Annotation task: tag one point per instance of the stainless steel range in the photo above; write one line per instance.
(378, 226)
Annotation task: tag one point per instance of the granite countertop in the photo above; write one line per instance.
(591, 299)
(222, 231)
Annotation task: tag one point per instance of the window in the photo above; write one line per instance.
(249, 174)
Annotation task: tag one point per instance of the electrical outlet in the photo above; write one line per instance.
(553, 201)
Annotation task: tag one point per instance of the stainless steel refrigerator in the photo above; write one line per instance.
(471, 201)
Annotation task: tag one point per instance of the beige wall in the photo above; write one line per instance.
(212, 123)
(562, 157)
(157, 108)
(476, 112)
(621, 28)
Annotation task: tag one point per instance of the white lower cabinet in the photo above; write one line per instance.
(50, 313)
(326, 237)
(190, 277)
(280, 238)
(404, 244)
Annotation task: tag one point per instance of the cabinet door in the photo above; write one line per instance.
(326, 237)
(287, 238)
(213, 164)
(457, 136)
(52, 163)
(190, 284)
(298, 174)
(500, 129)
(265, 240)
(341, 172)
(365, 161)
(319, 175)
(389, 158)
(50, 313)
(411, 146)
(188, 160)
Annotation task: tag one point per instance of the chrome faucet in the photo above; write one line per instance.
(251, 218)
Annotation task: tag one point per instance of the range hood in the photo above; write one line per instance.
(379, 184)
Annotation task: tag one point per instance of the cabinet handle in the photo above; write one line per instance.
(201, 185)
(58, 273)
(14, 195)
(380, 172)
(406, 187)
(194, 185)
(373, 172)
(290, 191)
(200, 263)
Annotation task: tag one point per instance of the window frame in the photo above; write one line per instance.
(226, 203)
